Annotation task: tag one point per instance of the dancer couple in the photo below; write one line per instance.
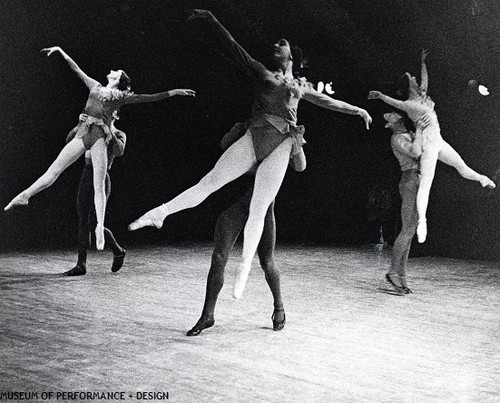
(92, 135)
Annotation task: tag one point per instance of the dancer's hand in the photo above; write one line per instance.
(185, 93)
(367, 118)
(51, 50)
(423, 122)
(424, 54)
(374, 95)
(196, 13)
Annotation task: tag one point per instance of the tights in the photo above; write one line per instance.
(238, 159)
(86, 216)
(227, 230)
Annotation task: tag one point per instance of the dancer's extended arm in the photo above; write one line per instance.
(132, 98)
(251, 66)
(401, 105)
(325, 101)
(424, 77)
(89, 82)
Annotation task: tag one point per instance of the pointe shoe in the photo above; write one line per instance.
(200, 326)
(487, 183)
(153, 218)
(278, 325)
(17, 201)
(241, 281)
(422, 231)
(99, 237)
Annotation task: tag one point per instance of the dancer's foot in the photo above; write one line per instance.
(118, 261)
(201, 325)
(19, 200)
(78, 270)
(487, 182)
(422, 231)
(153, 218)
(402, 287)
(99, 237)
(279, 319)
(241, 280)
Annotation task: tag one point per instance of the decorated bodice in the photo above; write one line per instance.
(103, 101)
(279, 95)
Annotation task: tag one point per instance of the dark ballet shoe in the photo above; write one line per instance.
(76, 271)
(118, 261)
(278, 325)
(200, 326)
(402, 287)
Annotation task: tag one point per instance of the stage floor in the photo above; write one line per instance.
(348, 337)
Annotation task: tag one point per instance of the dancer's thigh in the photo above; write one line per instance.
(449, 156)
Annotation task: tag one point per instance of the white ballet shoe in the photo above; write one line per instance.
(487, 182)
(153, 218)
(19, 200)
(241, 281)
(422, 231)
(99, 237)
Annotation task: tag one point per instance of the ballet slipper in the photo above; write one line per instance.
(422, 231)
(201, 325)
(19, 200)
(241, 281)
(153, 218)
(278, 324)
(99, 237)
(487, 182)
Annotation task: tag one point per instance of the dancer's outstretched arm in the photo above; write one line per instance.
(424, 77)
(325, 101)
(132, 98)
(396, 103)
(89, 82)
(251, 66)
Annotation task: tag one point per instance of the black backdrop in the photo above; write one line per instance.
(356, 45)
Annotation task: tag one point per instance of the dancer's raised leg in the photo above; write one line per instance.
(236, 160)
(428, 161)
(69, 154)
(450, 157)
(99, 155)
(268, 179)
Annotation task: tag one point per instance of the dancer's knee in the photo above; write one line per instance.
(219, 258)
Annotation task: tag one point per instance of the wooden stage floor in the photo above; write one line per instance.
(348, 338)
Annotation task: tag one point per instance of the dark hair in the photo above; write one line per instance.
(124, 84)
(297, 58)
(402, 86)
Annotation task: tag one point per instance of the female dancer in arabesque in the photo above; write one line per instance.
(93, 133)
(417, 105)
(271, 135)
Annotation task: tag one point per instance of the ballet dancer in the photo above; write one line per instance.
(271, 136)
(84, 204)
(227, 229)
(92, 135)
(407, 148)
(419, 104)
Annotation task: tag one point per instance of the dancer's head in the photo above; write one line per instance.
(408, 87)
(119, 79)
(396, 122)
(285, 53)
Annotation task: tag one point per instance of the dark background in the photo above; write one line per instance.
(356, 45)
